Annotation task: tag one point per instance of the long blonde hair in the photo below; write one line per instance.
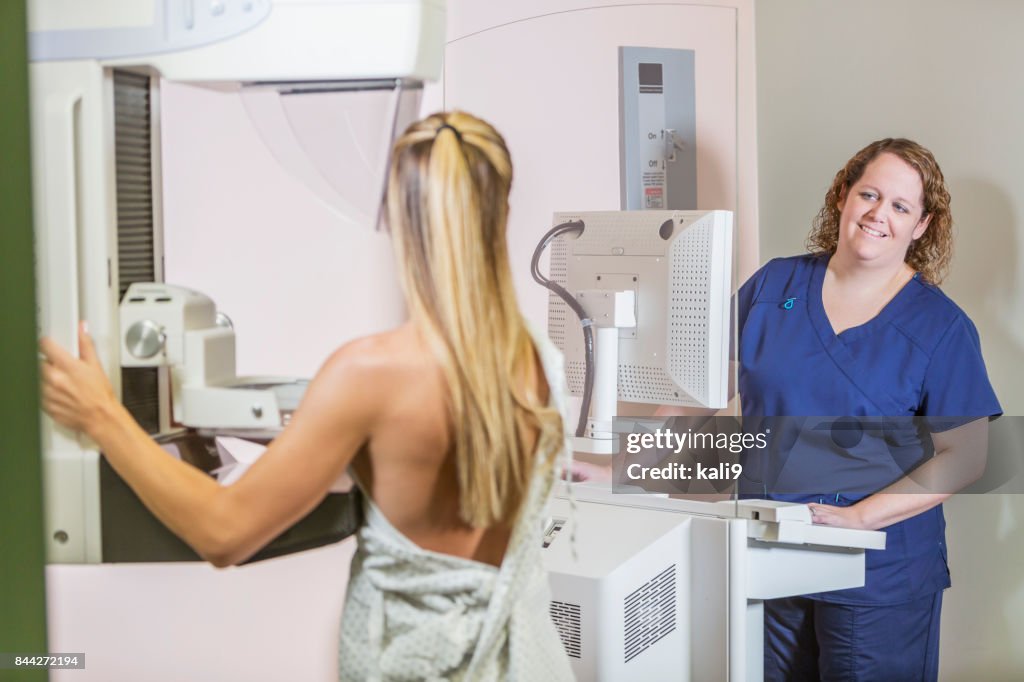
(447, 208)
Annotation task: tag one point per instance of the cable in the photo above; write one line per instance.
(576, 226)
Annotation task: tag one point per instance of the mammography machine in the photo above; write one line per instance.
(95, 86)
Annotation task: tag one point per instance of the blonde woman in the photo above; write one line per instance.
(451, 425)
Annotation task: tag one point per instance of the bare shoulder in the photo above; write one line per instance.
(370, 365)
(370, 384)
(359, 354)
(374, 354)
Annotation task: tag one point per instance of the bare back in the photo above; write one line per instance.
(408, 464)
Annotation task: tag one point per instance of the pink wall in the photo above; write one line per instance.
(555, 99)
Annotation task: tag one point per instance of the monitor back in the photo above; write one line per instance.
(679, 265)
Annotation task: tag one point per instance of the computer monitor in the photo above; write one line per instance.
(678, 264)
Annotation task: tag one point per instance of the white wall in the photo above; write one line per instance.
(834, 76)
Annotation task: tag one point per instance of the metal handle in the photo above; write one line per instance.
(62, 218)
(673, 143)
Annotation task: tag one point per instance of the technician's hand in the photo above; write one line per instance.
(840, 517)
(76, 392)
(591, 473)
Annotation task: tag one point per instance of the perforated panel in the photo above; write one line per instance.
(642, 383)
(649, 613)
(691, 259)
(635, 232)
(679, 266)
(566, 617)
(560, 316)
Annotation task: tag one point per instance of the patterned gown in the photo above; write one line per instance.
(413, 614)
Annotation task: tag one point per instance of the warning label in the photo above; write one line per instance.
(654, 197)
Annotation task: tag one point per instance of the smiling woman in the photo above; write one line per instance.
(906, 168)
(858, 328)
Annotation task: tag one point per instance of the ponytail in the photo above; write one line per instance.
(448, 209)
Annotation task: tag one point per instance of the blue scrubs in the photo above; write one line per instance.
(920, 357)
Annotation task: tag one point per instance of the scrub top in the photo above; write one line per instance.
(850, 413)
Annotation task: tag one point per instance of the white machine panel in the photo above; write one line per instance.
(239, 41)
(621, 600)
(668, 589)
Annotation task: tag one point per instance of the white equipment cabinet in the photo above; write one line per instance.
(666, 589)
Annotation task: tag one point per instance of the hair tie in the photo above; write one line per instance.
(458, 135)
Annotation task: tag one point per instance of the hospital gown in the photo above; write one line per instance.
(414, 614)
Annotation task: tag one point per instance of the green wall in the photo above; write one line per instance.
(22, 590)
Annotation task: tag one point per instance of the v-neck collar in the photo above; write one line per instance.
(820, 319)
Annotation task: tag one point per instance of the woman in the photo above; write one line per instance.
(450, 424)
(859, 328)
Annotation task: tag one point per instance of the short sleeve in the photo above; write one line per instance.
(746, 296)
(956, 384)
(741, 304)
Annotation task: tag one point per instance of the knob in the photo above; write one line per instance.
(145, 339)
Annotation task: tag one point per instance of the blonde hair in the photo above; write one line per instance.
(931, 253)
(447, 208)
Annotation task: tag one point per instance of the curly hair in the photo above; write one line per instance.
(931, 253)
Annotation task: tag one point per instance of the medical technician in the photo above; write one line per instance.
(859, 328)
(451, 424)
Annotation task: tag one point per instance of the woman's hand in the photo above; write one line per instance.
(960, 457)
(587, 472)
(76, 392)
(840, 517)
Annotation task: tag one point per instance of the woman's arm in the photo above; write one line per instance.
(225, 525)
(959, 460)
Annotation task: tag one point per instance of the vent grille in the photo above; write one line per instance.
(133, 158)
(560, 315)
(650, 613)
(566, 618)
(640, 383)
(688, 315)
(135, 248)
